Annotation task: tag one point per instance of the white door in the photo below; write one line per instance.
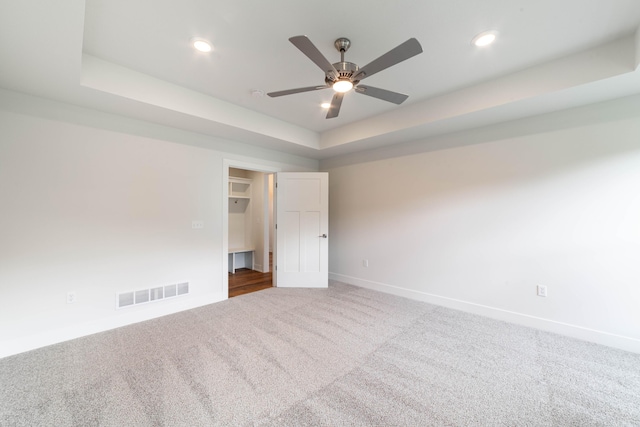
(302, 227)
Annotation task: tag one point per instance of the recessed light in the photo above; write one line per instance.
(325, 105)
(485, 38)
(201, 45)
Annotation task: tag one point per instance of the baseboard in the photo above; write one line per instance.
(586, 334)
(123, 318)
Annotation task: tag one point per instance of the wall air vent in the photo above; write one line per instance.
(144, 296)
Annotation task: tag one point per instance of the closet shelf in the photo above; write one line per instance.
(239, 187)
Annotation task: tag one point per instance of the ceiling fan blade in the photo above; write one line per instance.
(298, 90)
(336, 102)
(396, 55)
(304, 44)
(385, 95)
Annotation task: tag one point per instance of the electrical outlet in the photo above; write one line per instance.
(365, 263)
(71, 297)
(542, 291)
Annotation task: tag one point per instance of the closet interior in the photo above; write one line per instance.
(250, 230)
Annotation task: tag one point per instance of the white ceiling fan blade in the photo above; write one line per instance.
(396, 55)
(385, 95)
(298, 90)
(311, 51)
(336, 102)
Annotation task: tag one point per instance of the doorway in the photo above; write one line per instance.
(250, 230)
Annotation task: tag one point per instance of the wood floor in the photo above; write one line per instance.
(246, 281)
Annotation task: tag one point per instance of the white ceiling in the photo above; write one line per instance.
(133, 58)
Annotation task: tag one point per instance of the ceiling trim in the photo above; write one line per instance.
(592, 65)
(114, 79)
(400, 125)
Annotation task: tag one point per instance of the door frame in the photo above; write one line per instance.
(238, 164)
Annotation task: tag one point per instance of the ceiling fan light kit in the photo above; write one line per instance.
(344, 69)
(342, 86)
(343, 76)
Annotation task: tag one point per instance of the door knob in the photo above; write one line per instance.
(324, 236)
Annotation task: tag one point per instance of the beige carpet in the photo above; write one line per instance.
(345, 356)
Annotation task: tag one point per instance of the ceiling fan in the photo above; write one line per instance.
(344, 76)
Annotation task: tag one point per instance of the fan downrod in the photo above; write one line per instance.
(345, 69)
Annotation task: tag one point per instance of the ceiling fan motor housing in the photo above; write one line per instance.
(345, 70)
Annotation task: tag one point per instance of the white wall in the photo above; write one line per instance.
(95, 211)
(478, 227)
